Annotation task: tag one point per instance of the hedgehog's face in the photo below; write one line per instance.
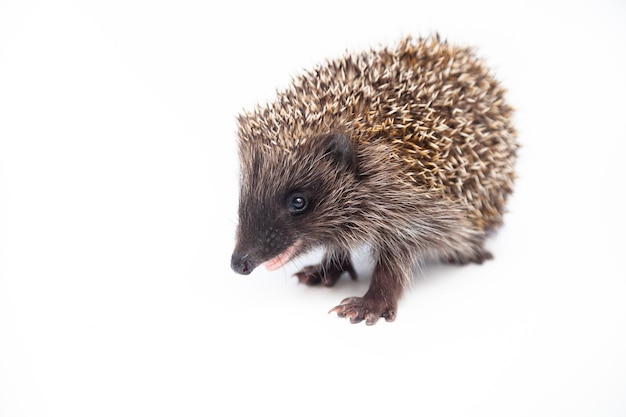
(292, 202)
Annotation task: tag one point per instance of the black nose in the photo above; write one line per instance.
(241, 264)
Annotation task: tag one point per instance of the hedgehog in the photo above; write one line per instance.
(406, 150)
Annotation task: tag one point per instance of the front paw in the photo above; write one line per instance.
(358, 309)
(314, 275)
(326, 274)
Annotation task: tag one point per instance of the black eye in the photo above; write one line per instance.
(298, 203)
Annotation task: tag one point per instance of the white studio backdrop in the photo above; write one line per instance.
(118, 200)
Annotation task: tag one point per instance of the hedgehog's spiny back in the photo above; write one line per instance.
(438, 108)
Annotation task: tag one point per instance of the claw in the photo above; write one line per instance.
(371, 319)
(335, 310)
(349, 300)
(389, 315)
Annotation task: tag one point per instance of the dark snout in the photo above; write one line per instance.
(241, 263)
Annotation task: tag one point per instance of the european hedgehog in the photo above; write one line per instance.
(408, 150)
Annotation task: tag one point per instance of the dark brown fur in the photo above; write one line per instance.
(409, 150)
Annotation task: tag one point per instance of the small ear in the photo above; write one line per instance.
(341, 149)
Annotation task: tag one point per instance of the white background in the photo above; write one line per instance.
(118, 189)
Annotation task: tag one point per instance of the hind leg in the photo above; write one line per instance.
(472, 251)
(463, 258)
(327, 272)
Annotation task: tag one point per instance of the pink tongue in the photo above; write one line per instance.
(284, 257)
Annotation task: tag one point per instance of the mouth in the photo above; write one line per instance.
(283, 257)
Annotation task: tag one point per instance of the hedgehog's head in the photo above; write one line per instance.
(292, 200)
